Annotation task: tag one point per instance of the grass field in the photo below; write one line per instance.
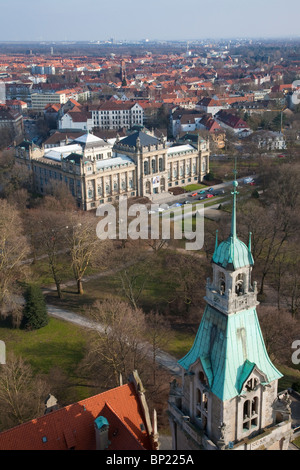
(59, 345)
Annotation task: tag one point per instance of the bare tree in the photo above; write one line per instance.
(159, 334)
(84, 247)
(278, 340)
(135, 272)
(14, 248)
(21, 394)
(47, 227)
(118, 347)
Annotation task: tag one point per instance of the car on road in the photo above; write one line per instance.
(187, 202)
(217, 192)
(194, 194)
(248, 180)
(203, 191)
(209, 195)
(210, 189)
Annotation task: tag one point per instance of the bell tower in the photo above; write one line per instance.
(228, 394)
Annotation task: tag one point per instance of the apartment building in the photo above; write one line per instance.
(11, 120)
(40, 100)
(115, 115)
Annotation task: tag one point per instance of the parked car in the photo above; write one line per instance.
(203, 191)
(219, 191)
(209, 195)
(210, 189)
(248, 180)
(194, 194)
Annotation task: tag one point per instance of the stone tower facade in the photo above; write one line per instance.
(228, 395)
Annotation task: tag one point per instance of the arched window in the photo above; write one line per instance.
(199, 396)
(201, 377)
(239, 284)
(222, 284)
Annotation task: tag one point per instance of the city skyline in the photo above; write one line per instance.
(133, 20)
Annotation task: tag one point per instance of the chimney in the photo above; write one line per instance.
(101, 430)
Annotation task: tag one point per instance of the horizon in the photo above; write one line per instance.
(36, 21)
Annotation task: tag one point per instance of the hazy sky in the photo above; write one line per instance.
(45, 20)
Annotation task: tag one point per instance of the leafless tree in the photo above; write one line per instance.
(21, 394)
(159, 334)
(14, 248)
(279, 330)
(118, 347)
(47, 227)
(84, 247)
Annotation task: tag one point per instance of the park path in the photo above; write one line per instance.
(164, 359)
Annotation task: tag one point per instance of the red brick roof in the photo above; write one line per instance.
(73, 425)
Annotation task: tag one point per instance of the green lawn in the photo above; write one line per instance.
(194, 187)
(58, 344)
(180, 344)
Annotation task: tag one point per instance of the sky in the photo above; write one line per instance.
(92, 20)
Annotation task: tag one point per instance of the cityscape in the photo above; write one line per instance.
(149, 233)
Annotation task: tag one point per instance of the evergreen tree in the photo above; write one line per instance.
(35, 310)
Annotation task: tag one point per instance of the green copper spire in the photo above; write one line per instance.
(233, 253)
(233, 217)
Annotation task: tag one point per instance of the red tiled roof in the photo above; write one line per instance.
(73, 425)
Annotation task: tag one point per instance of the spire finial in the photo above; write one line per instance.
(216, 243)
(249, 244)
(234, 192)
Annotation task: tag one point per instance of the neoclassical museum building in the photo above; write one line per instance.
(97, 171)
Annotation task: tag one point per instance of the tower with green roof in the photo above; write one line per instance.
(228, 396)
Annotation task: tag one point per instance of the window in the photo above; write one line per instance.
(222, 285)
(161, 164)
(250, 414)
(239, 284)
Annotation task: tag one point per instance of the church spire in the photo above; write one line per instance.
(233, 216)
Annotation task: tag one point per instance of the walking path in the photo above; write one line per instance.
(164, 359)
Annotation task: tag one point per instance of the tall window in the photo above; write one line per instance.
(222, 283)
(239, 284)
(161, 164)
(250, 414)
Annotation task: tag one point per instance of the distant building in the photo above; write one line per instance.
(114, 115)
(11, 120)
(43, 69)
(269, 140)
(98, 171)
(233, 123)
(76, 120)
